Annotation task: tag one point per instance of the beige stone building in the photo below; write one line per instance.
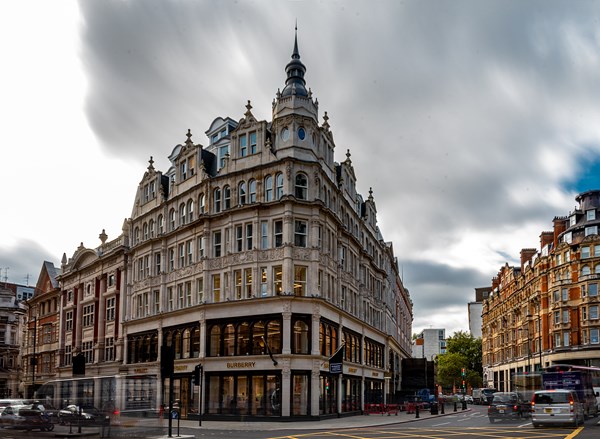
(255, 257)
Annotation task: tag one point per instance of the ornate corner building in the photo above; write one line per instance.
(255, 257)
(547, 310)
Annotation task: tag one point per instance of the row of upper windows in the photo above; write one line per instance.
(590, 230)
(222, 200)
(590, 215)
(269, 236)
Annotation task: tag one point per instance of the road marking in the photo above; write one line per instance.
(575, 433)
(443, 423)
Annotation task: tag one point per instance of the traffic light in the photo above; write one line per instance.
(462, 372)
(327, 386)
(197, 375)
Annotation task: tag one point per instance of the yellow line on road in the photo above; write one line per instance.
(575, 433)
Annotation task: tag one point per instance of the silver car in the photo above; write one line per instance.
(552, 407)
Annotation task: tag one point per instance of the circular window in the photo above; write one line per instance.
(285, 134)
(301, 133)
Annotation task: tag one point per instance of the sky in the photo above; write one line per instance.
(475, 123)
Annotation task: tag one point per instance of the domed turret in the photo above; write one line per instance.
(295, 83)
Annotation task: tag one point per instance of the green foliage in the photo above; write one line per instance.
(463, 351)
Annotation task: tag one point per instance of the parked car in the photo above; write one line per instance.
(469, 399)
(72, 414)
(552, 407)
(507, 405)
(25, 417)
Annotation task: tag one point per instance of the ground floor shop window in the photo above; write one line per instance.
(185, 395)
(328, 394)
(243, 394)
(300, 394)
(351, 391)
(373, 392)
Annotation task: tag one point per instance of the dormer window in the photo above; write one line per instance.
(591, 215)
(572, 220)
(183, 170)
(592, 230)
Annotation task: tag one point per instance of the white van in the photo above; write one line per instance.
(552, 407)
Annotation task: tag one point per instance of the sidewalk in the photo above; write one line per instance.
(332, 423)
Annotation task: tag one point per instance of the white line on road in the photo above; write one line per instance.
(443, 423)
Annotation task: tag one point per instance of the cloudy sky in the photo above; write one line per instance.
(475, 123)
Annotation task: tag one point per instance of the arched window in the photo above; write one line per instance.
(258, 333)
(301, 187)
(145, 231)
(229, 340)
(177, 344)
(252, 191)
(217, 200)
(243, 339)
(597, 269)
(190, 209)
(161, 225)
(151, 228)
(172, 219)
(274, 336)
(215, 341)
(585, 270)
(242, 193)
(136, 235)
(301, 337)
(195, 342)
(226, 197)
(182, 214)
(268, 188)
(185, 350)
(201, 205)
(278, 186)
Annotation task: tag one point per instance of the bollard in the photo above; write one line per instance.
(454, 405)
(443, 404)
(417, 410)
(464, 405)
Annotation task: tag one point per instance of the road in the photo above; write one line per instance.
(468, 424)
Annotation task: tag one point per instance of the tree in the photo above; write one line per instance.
(449, 369)
(463, 351)
(469, 347)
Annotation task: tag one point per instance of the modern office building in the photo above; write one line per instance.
(546, 310)
(255, 257)
(429, 343)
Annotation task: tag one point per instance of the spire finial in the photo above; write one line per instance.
(151, 165)
(189, 136)
(296, 54)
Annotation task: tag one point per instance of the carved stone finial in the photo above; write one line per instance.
(151, 165)
(103, 236)
(371, 194)
(248, 107)
(189, 137)
(348, 155)
(325, 121)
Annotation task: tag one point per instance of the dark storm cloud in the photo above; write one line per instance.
(466, 117)
(433, 285)
(24, 261)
